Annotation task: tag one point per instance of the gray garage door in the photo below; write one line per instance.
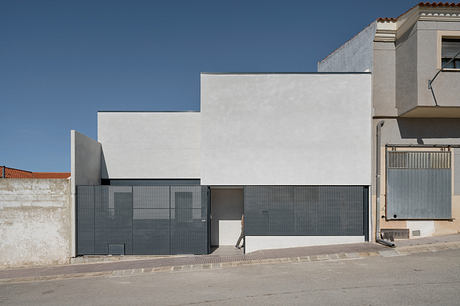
(419, 185)
(142, 220)
(306, 210)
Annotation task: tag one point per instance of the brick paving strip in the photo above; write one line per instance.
(204, 262)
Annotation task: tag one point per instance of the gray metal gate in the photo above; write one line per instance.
(418, 185)
(142, 220)
(306, 210)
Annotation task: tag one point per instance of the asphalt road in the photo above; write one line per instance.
(422, 279)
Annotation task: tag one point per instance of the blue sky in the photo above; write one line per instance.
(62, 61)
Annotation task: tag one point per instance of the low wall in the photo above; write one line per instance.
(257, 243)
(34, 221)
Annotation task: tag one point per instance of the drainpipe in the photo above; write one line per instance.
(377, 188)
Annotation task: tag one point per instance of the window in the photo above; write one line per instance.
(450, 47)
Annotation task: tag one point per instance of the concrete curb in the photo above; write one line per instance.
(398, 251)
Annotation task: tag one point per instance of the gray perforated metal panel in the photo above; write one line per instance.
(188, 220)
(144, 219)
(151, 220)
(113, 218)
(419, 185)
(306, 210)
(85, 220)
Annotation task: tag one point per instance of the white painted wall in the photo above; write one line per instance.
(150, 145)
(35, 222)
(256, 243)
(85, 160)
(355, 55)
(226, 212)
(426, 228)
(286, 129)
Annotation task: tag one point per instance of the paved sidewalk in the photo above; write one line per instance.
(199, 262)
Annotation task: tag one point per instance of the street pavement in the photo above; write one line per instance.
(196, 262)
(134, 265)
(428, 278)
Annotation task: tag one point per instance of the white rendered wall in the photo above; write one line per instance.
(256, 243)
(286, 129)
(150, 145)
(85, 160)
(356, 55)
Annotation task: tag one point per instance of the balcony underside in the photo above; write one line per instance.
(432, 112)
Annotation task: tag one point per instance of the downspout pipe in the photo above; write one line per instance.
(377, 187)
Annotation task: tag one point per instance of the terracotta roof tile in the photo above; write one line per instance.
(51, 175)
(392, 19)
(15, 173)
(18, 173)
(386, 19)
(439, 4)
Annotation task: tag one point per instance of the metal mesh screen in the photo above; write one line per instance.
(419, 185)
(144, 219)
(85, 220)
(306, 210)
(151, 219)
(113, 218)
(188, 220)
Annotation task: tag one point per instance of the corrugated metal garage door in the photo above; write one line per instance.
(306, 210)
(142, 219)
(419, 185)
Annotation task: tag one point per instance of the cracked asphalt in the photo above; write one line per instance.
(419, 279)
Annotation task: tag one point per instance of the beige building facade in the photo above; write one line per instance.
(416, 100)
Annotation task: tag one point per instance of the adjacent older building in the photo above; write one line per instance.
(415, 65)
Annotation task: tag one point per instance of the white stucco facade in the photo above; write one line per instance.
(286, 129)
(253, 129)
(150, 145)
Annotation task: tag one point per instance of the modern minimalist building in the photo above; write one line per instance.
(294, 152)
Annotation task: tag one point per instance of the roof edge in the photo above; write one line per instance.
(281, 73)
(422, 5)
(146, 111)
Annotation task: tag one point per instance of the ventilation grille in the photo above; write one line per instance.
(419, 160)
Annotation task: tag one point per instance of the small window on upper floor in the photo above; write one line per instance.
(450, 47)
